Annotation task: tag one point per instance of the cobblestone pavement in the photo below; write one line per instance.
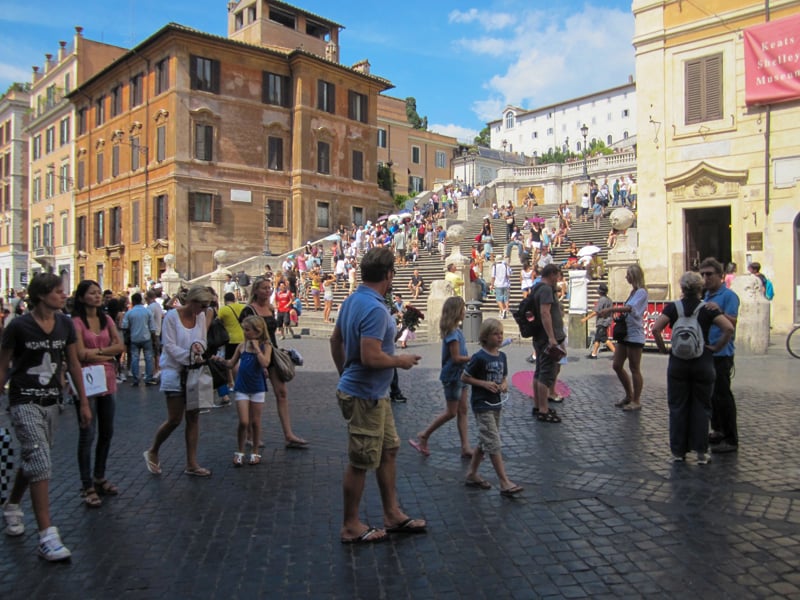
(604, 513)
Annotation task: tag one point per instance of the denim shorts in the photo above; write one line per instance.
(501, 294)
(453, 390)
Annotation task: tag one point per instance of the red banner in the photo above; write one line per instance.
(653, 312)
(772, 61)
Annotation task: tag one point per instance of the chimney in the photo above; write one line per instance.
(362, 66)
(35, 74)
(62, 49)
(48, 59)
(79, 31)
(332, 52)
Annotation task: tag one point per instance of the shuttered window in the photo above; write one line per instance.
(704, 89)
(204, 74)
(205, 208)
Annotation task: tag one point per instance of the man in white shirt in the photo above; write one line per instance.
(501, 281)
(154, 306)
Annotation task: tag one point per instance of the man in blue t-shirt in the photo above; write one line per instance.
(362, 347)
(725, 435)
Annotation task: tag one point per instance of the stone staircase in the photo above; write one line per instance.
(431, 267)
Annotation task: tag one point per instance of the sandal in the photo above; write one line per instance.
(621, 403)
(105, 487)
(255, 459)
(91, 498)
(238, 459)
(549, 417)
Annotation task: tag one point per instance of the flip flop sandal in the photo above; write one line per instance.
(153, 467)
(198, 472)
(90, 498)
(255, 459)
(368, 537)
(549, 417)
(511, 492)
(105, 487)
(418, 447)
(407, 527)
(481, 484)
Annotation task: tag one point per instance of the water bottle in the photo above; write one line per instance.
(506, 342)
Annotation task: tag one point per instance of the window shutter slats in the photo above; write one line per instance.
(217, 217)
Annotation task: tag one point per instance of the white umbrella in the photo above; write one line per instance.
(588, 251)
(334, 237)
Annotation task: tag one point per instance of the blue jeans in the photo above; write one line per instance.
(147, 347)
(102, 421)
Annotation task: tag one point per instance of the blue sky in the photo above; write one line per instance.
(462, 61)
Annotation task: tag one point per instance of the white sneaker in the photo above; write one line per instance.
(703, 458)
(50, 546)
(13, 514)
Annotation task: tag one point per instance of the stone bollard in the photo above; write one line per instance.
(578, 300)
(441, 290)
(752, 326)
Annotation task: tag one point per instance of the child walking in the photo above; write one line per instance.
(454, 357)
(255, 354)
(486, 372)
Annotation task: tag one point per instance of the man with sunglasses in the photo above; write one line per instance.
(724, 436)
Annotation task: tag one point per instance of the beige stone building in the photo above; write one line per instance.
(210, 136)
(14, 117)
(51, 207)
(718, 176)
(417, 158)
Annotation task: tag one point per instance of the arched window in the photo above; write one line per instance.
(608, 143)
(579, 146)
(509, 120)
(624, 135)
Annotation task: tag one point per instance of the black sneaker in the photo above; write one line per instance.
(723, 447)
(399, 398)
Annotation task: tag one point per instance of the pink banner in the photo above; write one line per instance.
(772, 61)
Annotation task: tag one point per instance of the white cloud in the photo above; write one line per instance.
(462, 134)
(486, 19)
(12, 73)
(551, 57)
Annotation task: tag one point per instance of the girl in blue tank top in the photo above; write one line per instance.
(253, 357)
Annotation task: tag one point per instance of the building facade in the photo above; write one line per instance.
(51, 206)
(610, 116)
(14, 117)
(218, 144)
(417, 158)
(718, 175)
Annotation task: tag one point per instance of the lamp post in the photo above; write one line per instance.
(504, 144)
(464, 162)
(267, 213)
(584, 133)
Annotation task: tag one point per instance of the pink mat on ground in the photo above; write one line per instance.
(523, 381)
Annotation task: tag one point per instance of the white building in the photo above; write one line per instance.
(610, 116)
(13, 188)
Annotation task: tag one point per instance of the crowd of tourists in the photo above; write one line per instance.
(54, 337)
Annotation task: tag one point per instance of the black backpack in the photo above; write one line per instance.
(525, 315)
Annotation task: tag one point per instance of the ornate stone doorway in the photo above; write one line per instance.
(707, 233)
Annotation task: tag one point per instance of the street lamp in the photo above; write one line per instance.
(464, 162)
(267, 211)
(504, 144)
(584, 133)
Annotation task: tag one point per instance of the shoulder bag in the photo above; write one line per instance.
(282, 364)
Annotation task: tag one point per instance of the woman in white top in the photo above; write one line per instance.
(526, 276)
(183, 341)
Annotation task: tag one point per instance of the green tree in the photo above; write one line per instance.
(413, 116)
(483, 138)
(386, 178)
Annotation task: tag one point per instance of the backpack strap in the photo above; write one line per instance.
(679, 308)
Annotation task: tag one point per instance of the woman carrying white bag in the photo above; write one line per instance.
(183, 341)
(98, 342)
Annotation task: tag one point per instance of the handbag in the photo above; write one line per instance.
(282, 363)
(199, 388)
(219, 372)
(94, 381)
(620, 331)
(216, 336)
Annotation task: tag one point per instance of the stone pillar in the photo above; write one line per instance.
(441, 290)
(218, 277)
(170, 280)
(622, 255)
(578, 301)
(752, 326)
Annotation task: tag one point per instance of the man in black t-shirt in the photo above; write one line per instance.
(547, 340)
(34, 347)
